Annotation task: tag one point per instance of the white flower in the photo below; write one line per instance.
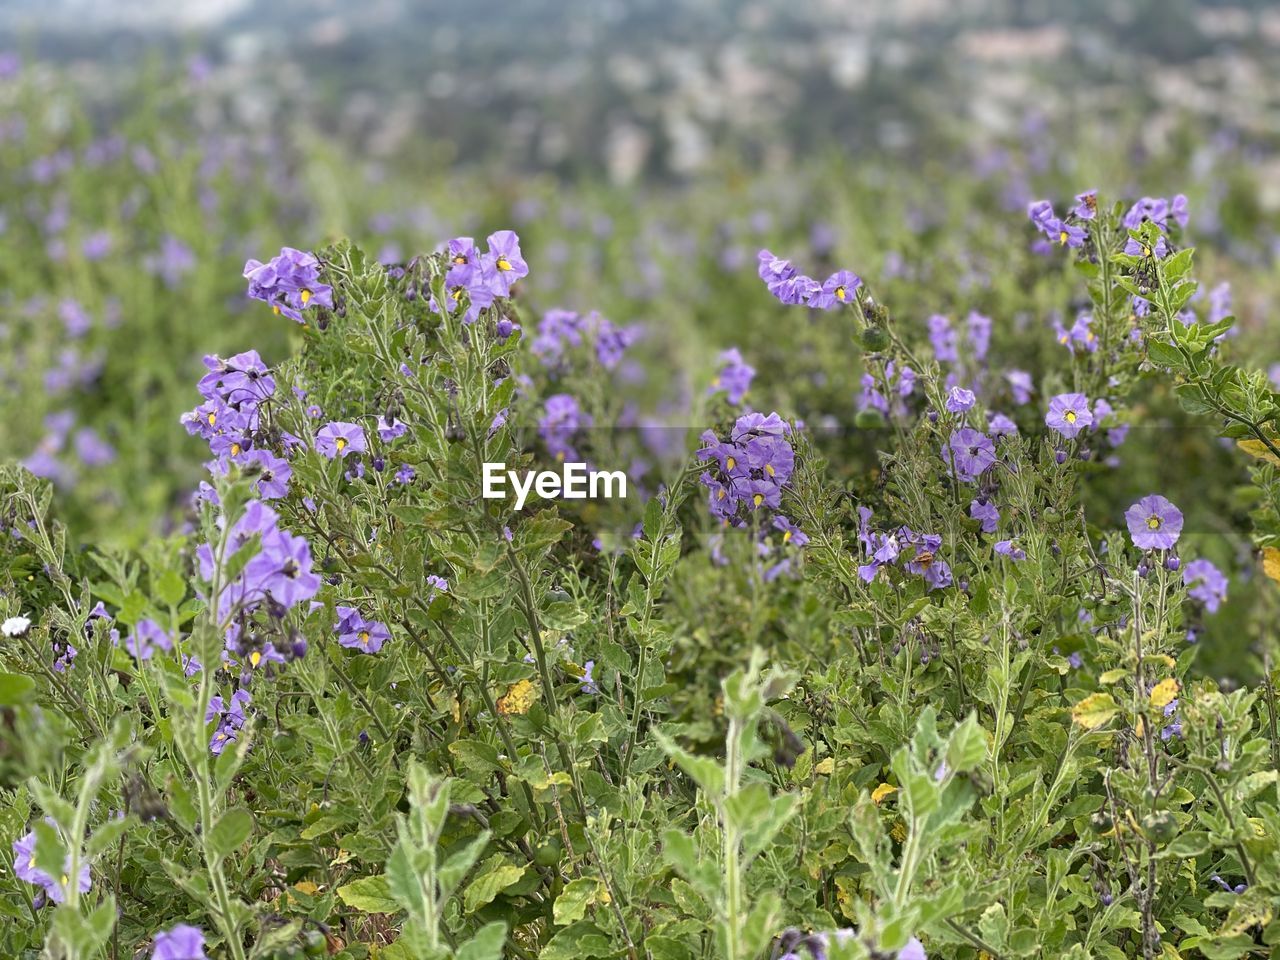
(15, 626)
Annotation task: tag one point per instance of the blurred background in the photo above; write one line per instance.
(644, 150)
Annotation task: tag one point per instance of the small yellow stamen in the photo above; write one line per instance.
(1062, 238)
(340, 443)
(758, 499)
(364, 638)
(255, 658)
(235, 449)
(720, 494)
(1069, 416)
(786, 536)
(841, 293)
(212, 418)
(1153, 522)
(730, 463)
(275, 308)
(305, 296)
(459, 259)
(504, 264)
(768, 468)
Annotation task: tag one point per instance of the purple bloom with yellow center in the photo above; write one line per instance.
(337, 439)
(837, 290)
(1154, 523)
(1068, 414)
(506, 260)
(25, 869)
(357, 633)
(289, 282)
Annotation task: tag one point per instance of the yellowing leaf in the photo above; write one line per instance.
(1095, 710)
(1113, 676)
(522, 695)
(882, 791)
(307, 887)
(1256, 448)
(1271, 563)
(825, 766)
(1164, 692)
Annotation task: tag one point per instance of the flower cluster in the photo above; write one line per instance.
(791, 287)
(1065, 232)
(751, 467)
(561, 330)
(483, 277)
(916, 553)
(289, 282)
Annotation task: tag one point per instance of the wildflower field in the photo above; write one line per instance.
(935, 617)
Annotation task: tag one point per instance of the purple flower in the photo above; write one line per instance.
(969, 453)
(1079, 335)
(289, 282)
(838, 289)
(790, 532)
(183, 942)
(1154, 523)
(1021, 385)
(562, 418)
(357, 633)
(1086, 207)
(1010, 549)
(24, 867)
(508, 264)
(1140, 248)
(1208, 584)
(734, 378)
(273, 473)
(943, 339)
(1068, 414)
(959, 400)
(979, 334)
(391, 430)
(146, 637)
(587, 680)
(986, 511)
(337, 439)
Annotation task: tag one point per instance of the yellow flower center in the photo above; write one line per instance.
(1062, 238)
(720, 494)
(255, 658)
(235, 449)
(786, 536)
(1146, 251)
(1153, 522)
(841, 293)
(364, 638)
(768, 468)
(275, 308)
(758, 499)
(459, 259)
(730, 463)
(340, 443)
(503, 264)
(1069, 416)
(212, 418)
(305, 296)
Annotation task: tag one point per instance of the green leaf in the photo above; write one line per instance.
(580, 940)
(231, 830)
(573, 901)
(487, 944)
(369, 895)
(494, 877)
